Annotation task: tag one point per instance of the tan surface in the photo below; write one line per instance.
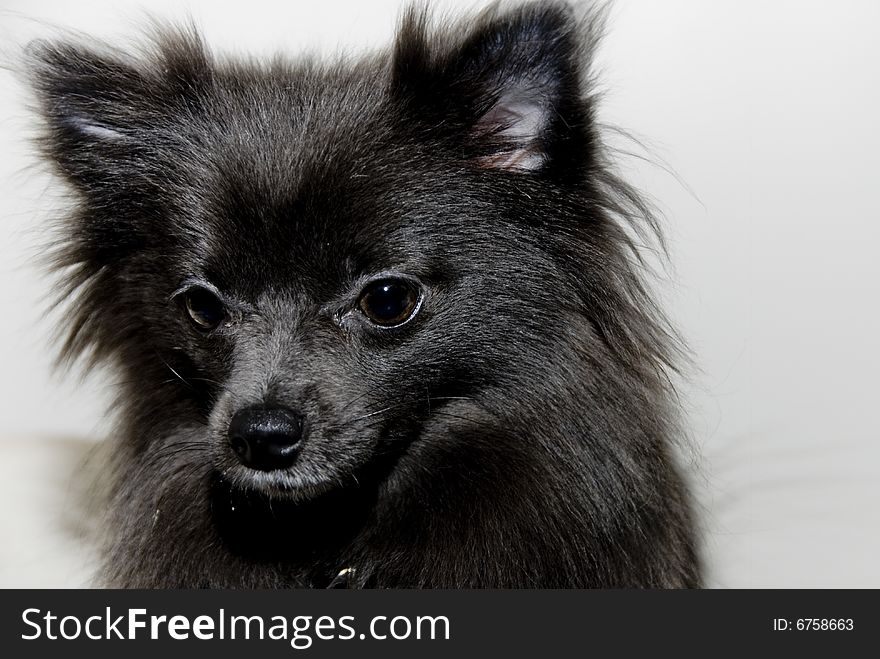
(47, 524)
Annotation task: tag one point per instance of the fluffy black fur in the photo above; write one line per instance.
(516, 432)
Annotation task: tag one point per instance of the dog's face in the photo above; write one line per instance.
(340, 290)
(331, 311)
(314, 267)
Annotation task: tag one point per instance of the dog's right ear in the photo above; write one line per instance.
(96, 109)
(104, 113)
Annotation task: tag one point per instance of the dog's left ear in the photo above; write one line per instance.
(509, 95)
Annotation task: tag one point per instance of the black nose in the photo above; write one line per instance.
(266, 438)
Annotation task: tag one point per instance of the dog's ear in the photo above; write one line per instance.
(511, 89)
(104, 112)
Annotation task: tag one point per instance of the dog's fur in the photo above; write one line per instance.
(517, 432)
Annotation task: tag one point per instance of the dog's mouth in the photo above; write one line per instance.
(295, 485)
(309, 507)
(320, 466)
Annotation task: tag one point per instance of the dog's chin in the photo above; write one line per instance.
(284, 516)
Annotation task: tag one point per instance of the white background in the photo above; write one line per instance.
(767, 114)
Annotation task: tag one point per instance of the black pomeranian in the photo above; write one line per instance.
(379, 323)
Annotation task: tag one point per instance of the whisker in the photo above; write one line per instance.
(458, 416)
(382, 411)
(209, 380)
(175, 448)
(171, 368)
(353, 401)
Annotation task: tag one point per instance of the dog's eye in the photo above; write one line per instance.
(390, 302)
(204, 309)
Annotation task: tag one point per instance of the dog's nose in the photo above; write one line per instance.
(266, 438)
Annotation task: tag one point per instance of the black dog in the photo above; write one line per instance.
(379, 323)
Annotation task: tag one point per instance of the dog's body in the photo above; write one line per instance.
(381, 320)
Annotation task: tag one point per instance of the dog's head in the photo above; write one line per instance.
(310, 266)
